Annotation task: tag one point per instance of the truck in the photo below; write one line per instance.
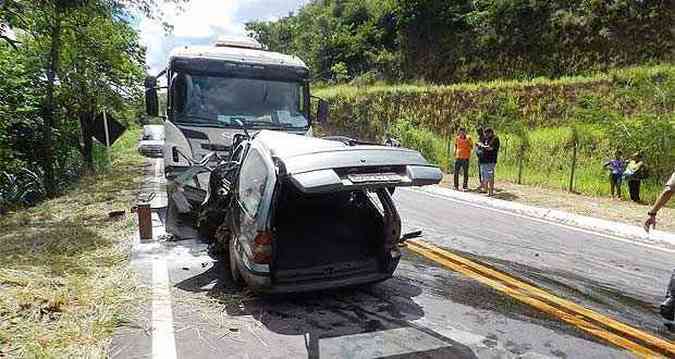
(209, 91)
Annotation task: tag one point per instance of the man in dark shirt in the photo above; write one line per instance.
(488, 161)
(479, 151)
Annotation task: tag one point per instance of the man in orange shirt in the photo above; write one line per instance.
(463, 148)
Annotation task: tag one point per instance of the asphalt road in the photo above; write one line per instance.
(624, 280)
(425, 311)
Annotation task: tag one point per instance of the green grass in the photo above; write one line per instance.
(547, 161)
(636, 73)
(628, 109)
(64, 282)
(351, 91)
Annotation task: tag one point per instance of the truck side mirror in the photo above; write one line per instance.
(151, 101)
(322, 111)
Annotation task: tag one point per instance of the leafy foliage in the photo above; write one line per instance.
(360, 35)
(441, 41)
(69, 60)
(25, 188)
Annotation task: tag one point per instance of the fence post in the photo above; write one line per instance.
(574, 166)
(575, 141)
(107, 138)
(522, 133)
(449, 151)
(520, 166)
(144, 221)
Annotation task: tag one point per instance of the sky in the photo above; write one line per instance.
(202, 22)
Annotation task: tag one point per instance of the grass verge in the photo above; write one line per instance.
(541, 123)
(546, 164)
(598, 207)
(64, 280)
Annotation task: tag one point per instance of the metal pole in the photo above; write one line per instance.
(107, 137)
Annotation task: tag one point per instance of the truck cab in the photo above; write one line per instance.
(212, 90)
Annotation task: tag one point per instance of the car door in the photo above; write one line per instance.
(254, 191)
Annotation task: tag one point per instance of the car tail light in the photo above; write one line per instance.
(262, 248)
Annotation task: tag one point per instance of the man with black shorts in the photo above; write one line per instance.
(488, 161)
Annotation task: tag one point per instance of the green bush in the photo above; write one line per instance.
(430, 146)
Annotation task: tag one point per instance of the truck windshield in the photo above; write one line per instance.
(210, 100)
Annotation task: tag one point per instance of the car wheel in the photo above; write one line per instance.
(234, 270)
(209, 221)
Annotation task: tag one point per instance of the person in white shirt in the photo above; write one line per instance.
(667, 308)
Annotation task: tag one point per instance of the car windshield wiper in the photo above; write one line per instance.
(199, 124)
(206, 121)
(209, 119)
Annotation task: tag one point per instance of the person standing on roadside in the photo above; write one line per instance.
(488, 161)
(667, 308)
(463, 148)
(636, 171)
(479, 152)
(616, 168)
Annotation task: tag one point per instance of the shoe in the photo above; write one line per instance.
(667, 308)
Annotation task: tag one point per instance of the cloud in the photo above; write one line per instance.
(203, 21)
(266, 10)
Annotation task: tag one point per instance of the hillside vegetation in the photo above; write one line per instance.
(445, 41)
(540, 122)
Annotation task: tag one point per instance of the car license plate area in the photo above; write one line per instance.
(375, 177)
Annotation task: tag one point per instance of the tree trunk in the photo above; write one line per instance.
(49, 107)
(86, 126)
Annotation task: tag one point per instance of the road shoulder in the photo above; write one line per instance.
(594, 220)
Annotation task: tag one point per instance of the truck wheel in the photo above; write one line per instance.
(234, 270)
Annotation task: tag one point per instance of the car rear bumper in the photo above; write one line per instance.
(263, 283)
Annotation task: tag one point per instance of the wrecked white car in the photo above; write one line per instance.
(298, 213)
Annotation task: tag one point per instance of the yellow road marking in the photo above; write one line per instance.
(638, 342)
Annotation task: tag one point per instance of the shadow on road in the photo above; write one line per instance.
(366, 321)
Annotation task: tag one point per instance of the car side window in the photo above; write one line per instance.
(252, 182)
(238, 152)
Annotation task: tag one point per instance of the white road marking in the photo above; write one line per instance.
(163, 341)
(567, 226)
